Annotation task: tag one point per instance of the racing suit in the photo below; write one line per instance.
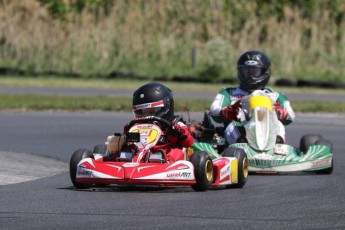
(234, 130)
(177, 139)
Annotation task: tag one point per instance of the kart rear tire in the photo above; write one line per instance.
(203, 170)
(101, 148)
(309, 140)
(77, 156)
(243, 171)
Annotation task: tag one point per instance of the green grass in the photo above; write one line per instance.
(69, 103)
(104, 103)
(133, 84)
(98, 83)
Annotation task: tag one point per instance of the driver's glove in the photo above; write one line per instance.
(282, 113)
(178, 131)
(230, 112)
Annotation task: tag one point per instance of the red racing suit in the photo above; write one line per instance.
(177, 139)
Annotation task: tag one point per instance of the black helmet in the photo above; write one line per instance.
(153, 99)
(253, 70)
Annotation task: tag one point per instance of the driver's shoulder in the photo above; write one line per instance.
(268, 89)
(231, 90)
(271, 91)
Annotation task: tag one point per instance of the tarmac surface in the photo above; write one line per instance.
(302, 201)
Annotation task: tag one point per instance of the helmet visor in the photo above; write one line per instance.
(148, 112)
(149, 109)
(250, 72)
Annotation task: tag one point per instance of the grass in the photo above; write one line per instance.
(133, 84)
(69, 103)
(97, 83)
(104, 103)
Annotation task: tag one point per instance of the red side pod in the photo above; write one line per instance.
(222, 171)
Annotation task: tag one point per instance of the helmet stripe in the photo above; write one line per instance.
(149, 105)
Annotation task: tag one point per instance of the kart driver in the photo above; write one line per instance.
(253, 73)
(155, 99)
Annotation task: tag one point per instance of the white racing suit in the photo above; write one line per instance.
(234, 130)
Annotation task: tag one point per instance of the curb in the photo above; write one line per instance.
(22, 167)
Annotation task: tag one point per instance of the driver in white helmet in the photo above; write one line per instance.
(253, 72)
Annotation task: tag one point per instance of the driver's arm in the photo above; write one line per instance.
(221, 101)
(185, 139)
(285, 104)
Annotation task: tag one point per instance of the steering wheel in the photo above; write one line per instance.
(153, 119)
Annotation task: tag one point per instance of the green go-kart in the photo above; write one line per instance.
(265, 152)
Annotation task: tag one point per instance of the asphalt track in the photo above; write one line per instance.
(36, 143)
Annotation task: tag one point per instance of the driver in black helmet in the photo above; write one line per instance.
(253, 72)
(155, 99)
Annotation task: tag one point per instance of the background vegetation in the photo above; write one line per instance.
(160, 38)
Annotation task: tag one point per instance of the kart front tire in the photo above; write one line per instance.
(77, 156)
(243, 172)
(309, 140)
(203, 170)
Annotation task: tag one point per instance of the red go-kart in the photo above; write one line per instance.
(136, 158)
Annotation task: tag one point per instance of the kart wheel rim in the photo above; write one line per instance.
(245, 167)
(209, 170)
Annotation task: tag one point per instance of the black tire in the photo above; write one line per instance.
(203, 170)
(243, 172)
(101, 148)
(309, 140)
(330, 146)
(77, 156)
